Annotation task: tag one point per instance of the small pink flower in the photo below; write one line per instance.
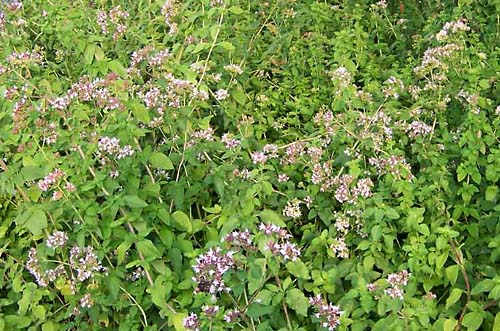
(282, 178)
(57, 195)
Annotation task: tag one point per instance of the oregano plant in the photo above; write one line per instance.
(243, 165)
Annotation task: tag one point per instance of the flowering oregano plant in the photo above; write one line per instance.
(219, 165)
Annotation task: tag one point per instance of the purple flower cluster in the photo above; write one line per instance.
(321, 174)
(169, 11)
(192, 322)
(293, 151)
(85, 262)
(57, 239)
(243, 173)
(280, 244)
(394, 165)
(230, 142)
(115, 18)
(325, 119)
(396, 282)
(110, 146)
(433, 59)
(393, 87)
(50, 179)
(328, 314)
(34, 269)
(340, 249)
(239, 239)
(417, 128)
(342, 76)
(86, 90)
(292, 209)
(210, 269)
(451, 28)
(344, 193)
(32, 57)
(234, 69)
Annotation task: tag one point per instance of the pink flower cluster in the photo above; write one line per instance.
(394, 165)
(33, 57)
(392, 87)
(229, 142)
(433, 59)
(396, 282)
(88, 90)
(239, 239)
(280, 244)
(192, 322)
(269, 151)
(169, 11)
(293, 152)
(451, 28)
(292, 209)
(418, 128)
(57, 239)
(51, 179)
(209, 270)
(84, 262)
(34, 269)
(110, 146)
(115, 18)
(344, 193)
(328, 314)
(342, 76)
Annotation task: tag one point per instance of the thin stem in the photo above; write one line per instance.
(460, 262)
(285, 308)
(138, 306)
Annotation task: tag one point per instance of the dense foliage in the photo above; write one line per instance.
(249, 165)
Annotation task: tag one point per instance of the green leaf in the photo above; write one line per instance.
(473, 320)
(178, 321)
(89, 52)
(161, 161)
(113, 284)
(181, 221)
(116, 67)
(256, 276)
(201, 46)
(256, 310)
(213, 210)
(239, 96)
(449, 324)
(298, 269)
(32, 173)
(236, 10)
(121, 250)
(34, 220)
(391, 213)
(39, 312)
(139, 111)
(451, 273)
(49, 326)
(133, 201)
(269, 216)
(148, 249)
(99, 54)
(455, 295)
(296, 300)
(227, 46)
(496, 323)
(491, 192)
(483, 286)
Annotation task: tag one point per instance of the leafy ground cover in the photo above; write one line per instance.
(249, 165)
